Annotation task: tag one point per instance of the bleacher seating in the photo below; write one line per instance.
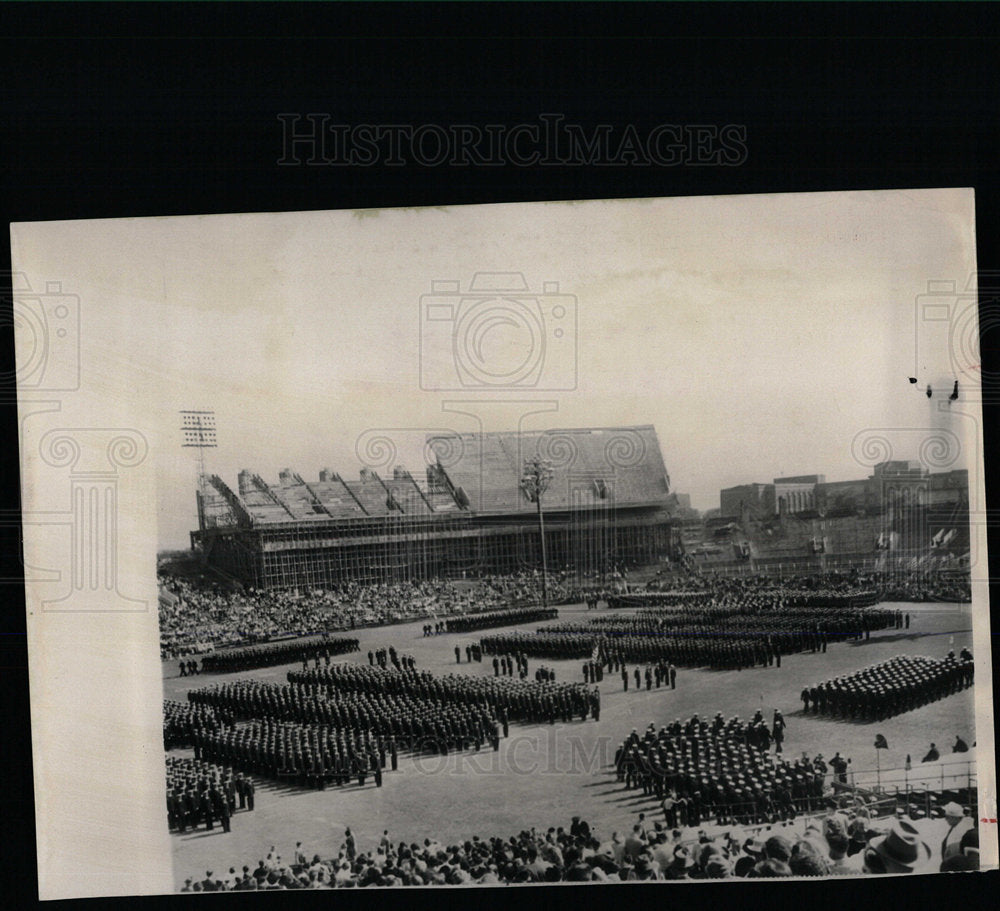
(625, 463)
(337, 499)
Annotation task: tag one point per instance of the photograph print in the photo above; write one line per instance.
(579, 542)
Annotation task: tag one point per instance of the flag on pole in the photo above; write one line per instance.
(880, 742)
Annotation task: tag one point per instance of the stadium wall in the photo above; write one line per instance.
(590, 543)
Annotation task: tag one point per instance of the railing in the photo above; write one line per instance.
(946, 775)
(917, 791)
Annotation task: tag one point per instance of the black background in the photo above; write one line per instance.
(121, 110)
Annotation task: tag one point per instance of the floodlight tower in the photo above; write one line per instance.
(198, 429)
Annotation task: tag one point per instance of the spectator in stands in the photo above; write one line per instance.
(835, 832)
(900, 850)
(958, 825)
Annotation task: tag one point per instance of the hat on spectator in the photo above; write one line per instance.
(682, 858)
(900, 849)
(717, 867)
(754, 847)
(770, 868)
(777, 847)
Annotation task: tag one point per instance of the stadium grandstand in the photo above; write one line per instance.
(608, 505)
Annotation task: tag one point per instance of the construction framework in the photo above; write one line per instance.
(606, 509)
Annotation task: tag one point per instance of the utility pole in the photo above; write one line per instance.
(534, 482)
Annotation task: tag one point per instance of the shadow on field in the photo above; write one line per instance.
(203, 833)
(903, 637)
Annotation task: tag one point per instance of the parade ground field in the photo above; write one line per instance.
(545, 774)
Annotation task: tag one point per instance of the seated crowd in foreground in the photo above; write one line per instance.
(840, 844)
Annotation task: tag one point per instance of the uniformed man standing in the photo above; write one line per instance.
(205, 805)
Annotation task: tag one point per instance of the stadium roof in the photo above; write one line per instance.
(616, 466)
(609, 467)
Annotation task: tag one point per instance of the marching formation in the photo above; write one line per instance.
(898, 685)
(183, 720)
(254, 656)
(200, 792)
(336, 723)
(414, 721)
(342, 723)
(720, 770)
(309, 755)
(500, 618)
(720, 633)
(505, 697)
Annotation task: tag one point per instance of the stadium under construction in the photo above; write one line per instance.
(607, 506)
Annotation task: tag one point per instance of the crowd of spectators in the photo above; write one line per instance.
(915, 585)
(842, 843)
(199, 616)
(949, 587)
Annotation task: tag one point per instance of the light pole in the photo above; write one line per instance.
(198, 428)
(534, 482)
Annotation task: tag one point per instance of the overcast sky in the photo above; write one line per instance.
(759, 334)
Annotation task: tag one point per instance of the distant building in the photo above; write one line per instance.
(679, 505)
(758, 498)
(889, 482)
(796, 494)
